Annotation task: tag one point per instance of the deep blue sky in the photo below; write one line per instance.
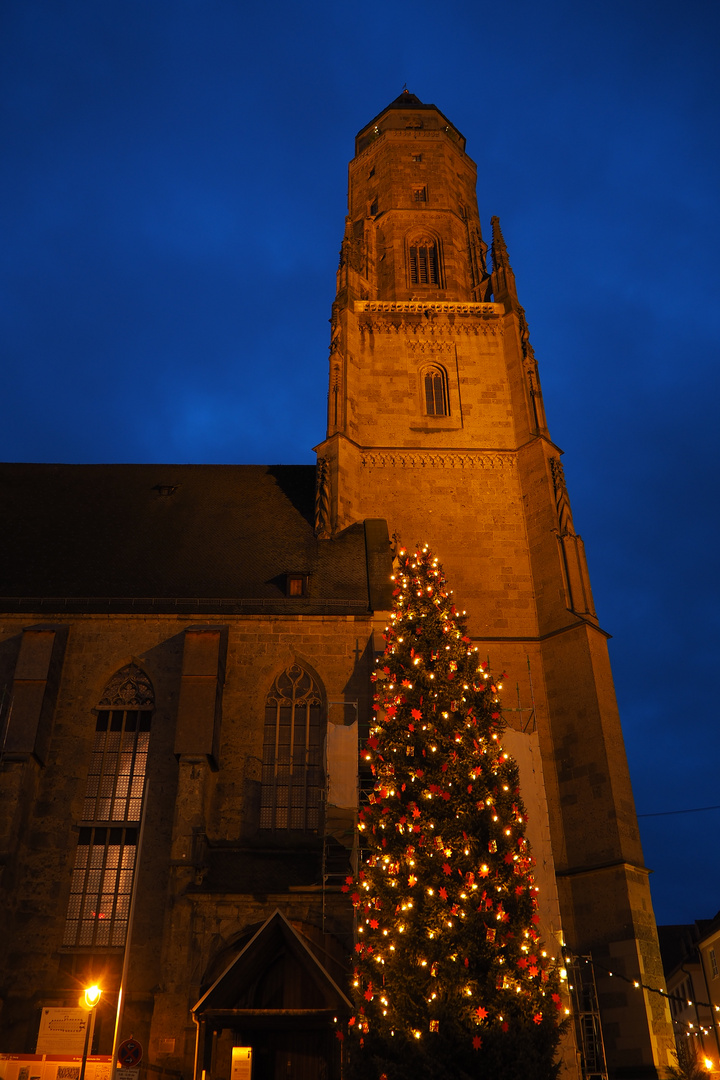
(172, 198)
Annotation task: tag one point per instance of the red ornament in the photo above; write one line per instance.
(477, 1042)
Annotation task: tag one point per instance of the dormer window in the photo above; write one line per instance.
(296, 584)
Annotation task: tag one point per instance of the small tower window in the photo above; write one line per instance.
(420, 194)
(435, 392)
(423, 264)
(374, 206)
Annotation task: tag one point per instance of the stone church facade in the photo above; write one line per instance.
(185, 655)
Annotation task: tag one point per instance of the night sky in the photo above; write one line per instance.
(172, 199)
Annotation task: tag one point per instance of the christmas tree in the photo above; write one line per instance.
(450, 976)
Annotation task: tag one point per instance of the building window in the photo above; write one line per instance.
(102, 878)
(713, 964)
(101, 887)
(424, 263)
(435, 385)
(417, 157)
(420, 194)
(292, 754)
(374, 206)
(296, 585)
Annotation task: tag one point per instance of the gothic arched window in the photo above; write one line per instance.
(102, 878)
(435, 392)
(423, 262)
(292, 754)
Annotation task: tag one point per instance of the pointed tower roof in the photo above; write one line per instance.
(404, 101)
(406, 98)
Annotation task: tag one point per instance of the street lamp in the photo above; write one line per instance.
(90, 999)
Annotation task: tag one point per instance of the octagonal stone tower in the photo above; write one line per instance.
(436, 423)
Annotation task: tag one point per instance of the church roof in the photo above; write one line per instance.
(179, 538)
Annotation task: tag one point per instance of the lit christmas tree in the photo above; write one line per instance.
(450, 976)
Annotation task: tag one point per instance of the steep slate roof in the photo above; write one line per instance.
(173, 537)
(679, 942)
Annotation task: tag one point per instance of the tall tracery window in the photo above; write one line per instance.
(435, 386)
(423, 262)
(292, 754)
(102, 878)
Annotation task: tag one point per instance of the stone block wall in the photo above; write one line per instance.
(201, 825)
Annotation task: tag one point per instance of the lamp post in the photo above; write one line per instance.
(90, 999)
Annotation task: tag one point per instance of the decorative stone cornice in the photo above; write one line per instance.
(429, 318)
(432, 348)
(443, 459)
(389, 324)
(420, 307)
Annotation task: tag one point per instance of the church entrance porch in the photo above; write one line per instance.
(277, 1000)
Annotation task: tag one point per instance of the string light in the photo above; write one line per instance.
(639, 985)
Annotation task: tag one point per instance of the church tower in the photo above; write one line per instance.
(436, 423)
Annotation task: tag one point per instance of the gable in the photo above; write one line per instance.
(275, 971)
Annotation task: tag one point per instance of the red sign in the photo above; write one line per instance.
(130, 1053)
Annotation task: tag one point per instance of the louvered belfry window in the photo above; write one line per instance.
(99, 904)
(424, 263)
(292, 754)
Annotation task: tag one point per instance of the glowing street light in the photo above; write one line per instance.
(89, 999)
